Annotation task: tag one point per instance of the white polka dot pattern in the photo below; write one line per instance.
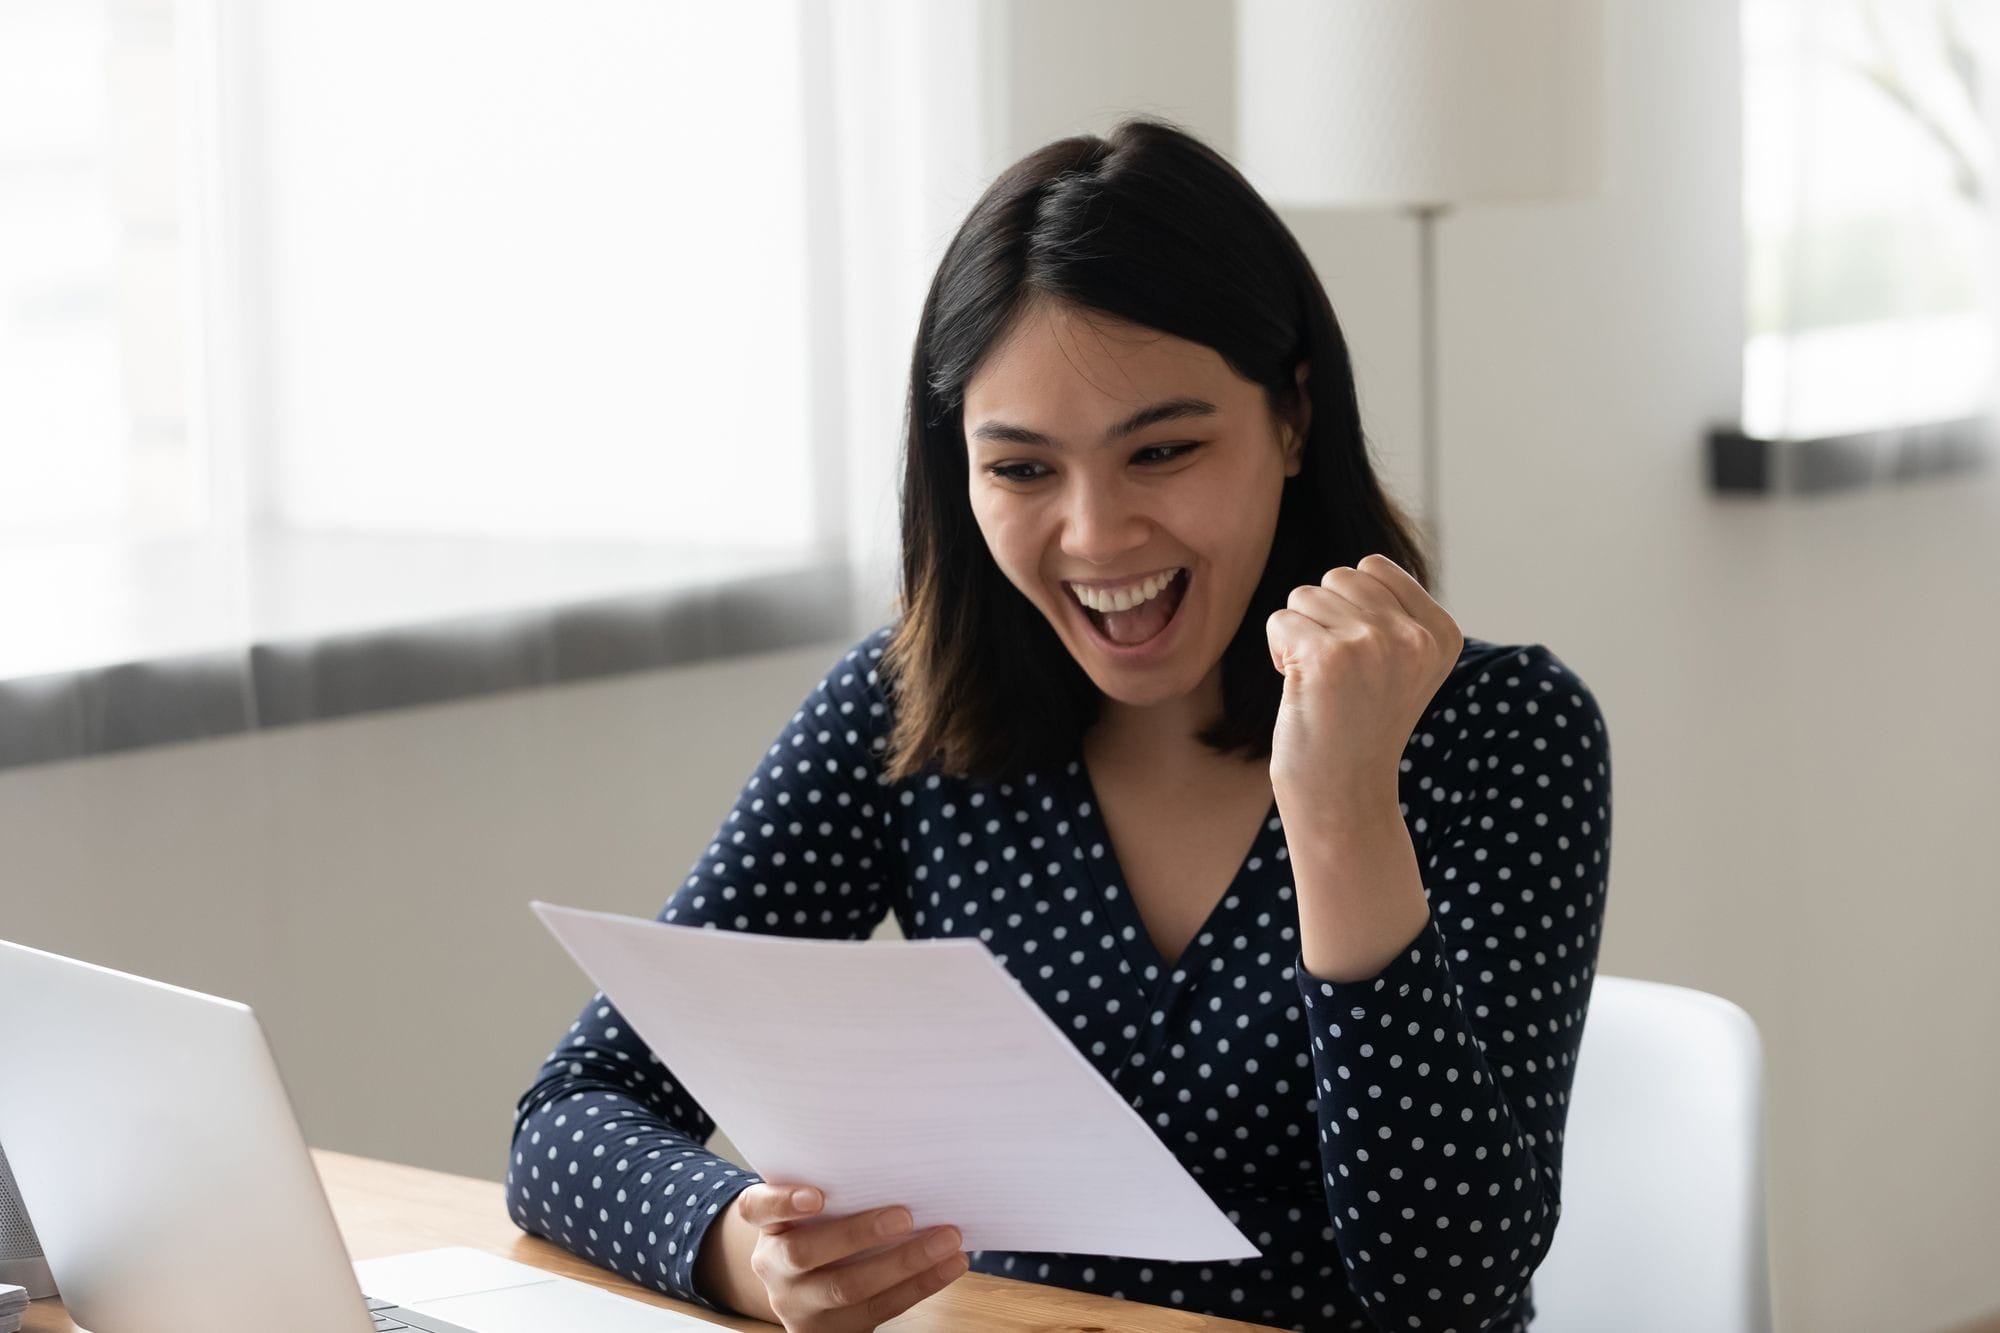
(1393, 1146)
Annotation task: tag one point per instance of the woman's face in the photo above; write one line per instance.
(1116, 465)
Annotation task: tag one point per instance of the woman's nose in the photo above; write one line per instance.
(1101, 524)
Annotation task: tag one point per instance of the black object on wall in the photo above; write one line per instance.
(1740, 464)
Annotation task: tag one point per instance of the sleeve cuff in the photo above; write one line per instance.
(1416, 975)
(696, 1200)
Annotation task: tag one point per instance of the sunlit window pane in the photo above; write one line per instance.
(1869, 201)
(536, 272)
(93, 423)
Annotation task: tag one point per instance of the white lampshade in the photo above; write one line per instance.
(1373, 103)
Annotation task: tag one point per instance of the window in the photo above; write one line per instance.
(1870, 215)
(528, 272)
(368, 354)
(330, 317)
(94, 435)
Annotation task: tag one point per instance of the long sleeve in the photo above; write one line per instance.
(1443, 1082)
(607, 1157)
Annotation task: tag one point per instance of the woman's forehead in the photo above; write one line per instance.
(1085, 366)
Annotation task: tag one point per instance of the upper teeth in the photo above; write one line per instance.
(1123, 599)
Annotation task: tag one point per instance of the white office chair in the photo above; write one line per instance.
(1663, 1170)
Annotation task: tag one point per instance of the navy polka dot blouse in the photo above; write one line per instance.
(1393, 1146)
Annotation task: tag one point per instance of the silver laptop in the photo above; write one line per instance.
(157, 1153)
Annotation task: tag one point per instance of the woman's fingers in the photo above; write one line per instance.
(1415, 598)
(806, 1248)
(1369, 589)
(877, 1290)
(832, 1275)
(765, 1205)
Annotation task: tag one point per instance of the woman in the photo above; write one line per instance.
(1167, 719)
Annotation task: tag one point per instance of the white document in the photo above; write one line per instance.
(477, 1290)
(915, 1073)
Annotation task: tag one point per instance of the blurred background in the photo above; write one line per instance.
(441, 444)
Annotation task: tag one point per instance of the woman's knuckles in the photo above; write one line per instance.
(1303, 597)
(840, 1292)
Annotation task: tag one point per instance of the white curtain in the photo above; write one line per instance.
(915, 138)
(495, 346)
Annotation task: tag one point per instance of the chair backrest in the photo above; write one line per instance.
(1663, 1213)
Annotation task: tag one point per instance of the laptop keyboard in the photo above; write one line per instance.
(390, 1317)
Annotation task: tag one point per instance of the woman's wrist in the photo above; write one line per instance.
(1360, 890)
(722, 1269)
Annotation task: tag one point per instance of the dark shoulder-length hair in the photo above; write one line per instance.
(1152, 226)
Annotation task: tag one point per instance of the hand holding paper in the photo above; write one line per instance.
(917, 1073)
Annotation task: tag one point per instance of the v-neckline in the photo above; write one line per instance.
(1114, 893)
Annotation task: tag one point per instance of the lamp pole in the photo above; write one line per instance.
(1427, 319)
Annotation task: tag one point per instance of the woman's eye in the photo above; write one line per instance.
(1151, 456)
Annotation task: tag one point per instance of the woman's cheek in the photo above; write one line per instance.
(1011, 540)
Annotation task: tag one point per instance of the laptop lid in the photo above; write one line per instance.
(154, 1145)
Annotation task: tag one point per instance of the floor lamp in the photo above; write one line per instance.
(1423, 106)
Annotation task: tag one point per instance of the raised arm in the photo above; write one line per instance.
(608, 1158)
(1443, 1082)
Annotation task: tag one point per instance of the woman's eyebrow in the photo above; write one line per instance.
(1170, 409)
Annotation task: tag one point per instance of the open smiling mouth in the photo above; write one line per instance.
(1148, 608)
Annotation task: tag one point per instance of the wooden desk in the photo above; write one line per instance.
(384, 1208)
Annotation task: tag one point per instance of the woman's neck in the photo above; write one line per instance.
(1162, 738)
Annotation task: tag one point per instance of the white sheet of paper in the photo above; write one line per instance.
(474, 1289)
(917, 1073)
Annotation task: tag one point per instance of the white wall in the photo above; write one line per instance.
(1804, 725)
(364, 883)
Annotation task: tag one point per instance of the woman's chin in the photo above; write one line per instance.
(1147, 689)
(1124, 694)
